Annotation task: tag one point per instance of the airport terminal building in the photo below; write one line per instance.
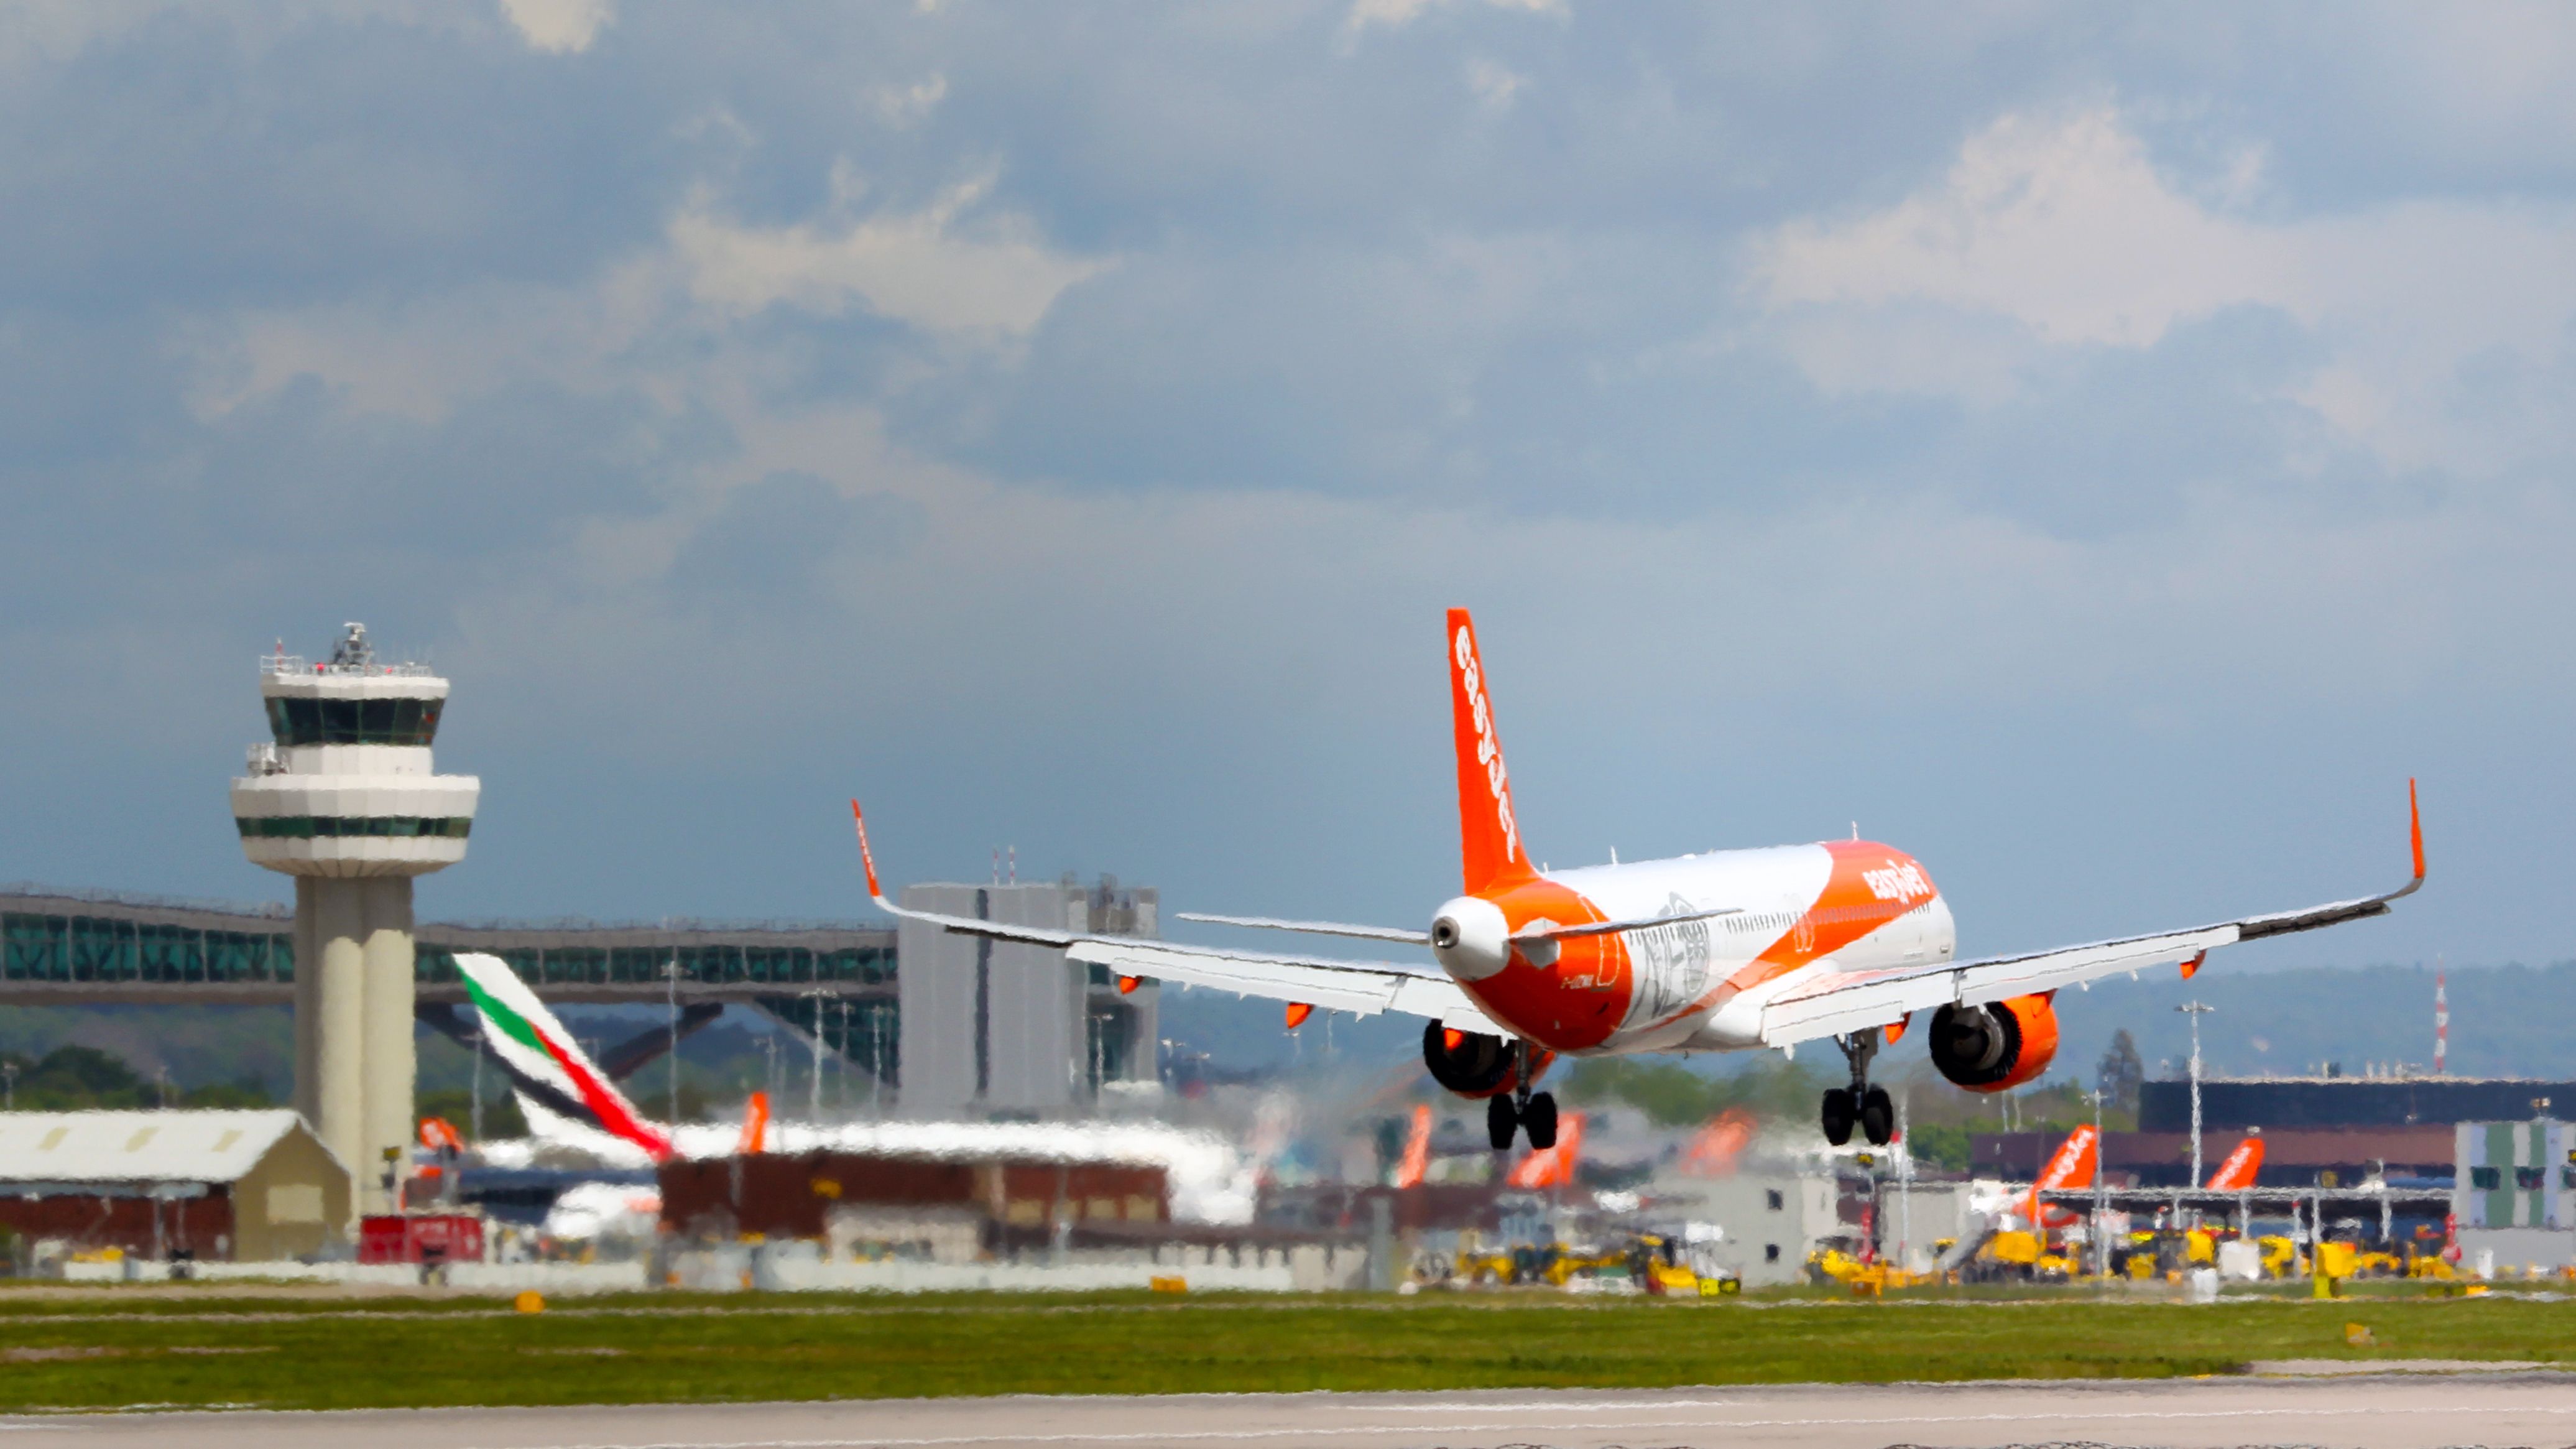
(1014, 1032)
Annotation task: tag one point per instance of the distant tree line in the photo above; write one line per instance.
(76, 1078)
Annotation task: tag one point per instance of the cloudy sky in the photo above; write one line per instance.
(2104, 453)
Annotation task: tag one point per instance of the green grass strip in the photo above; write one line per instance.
(287, 1353)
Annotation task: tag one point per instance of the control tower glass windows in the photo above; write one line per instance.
(333, 827)
(294, 721)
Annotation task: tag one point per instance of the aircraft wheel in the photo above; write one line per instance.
(1839, 1112)
(1538, 1119)
(1500, 1121)
(1877, 1117)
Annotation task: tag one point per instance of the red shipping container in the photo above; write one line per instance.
(421, 1238)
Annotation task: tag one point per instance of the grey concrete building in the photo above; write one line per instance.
(998, 1028)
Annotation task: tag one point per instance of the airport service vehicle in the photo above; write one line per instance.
(1729, 950)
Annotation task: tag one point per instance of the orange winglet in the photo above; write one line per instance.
(2415, 827)
(755, 1124)
(1298, 1011)
(2191, 968)
(1896, 1028)
(1127, 984)
(867, 857)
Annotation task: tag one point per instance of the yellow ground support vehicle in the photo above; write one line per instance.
(2019, 1249)
(1570, 1261)
(2281, 1257)
(1833, 1264)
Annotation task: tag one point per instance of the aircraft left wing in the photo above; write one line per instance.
(1361, 988)
(1838, 1002)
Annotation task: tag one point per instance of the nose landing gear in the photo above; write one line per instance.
(1859, 1105)
(1521, 1110)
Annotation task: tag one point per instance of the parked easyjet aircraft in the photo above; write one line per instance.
(2070, 1169)
(1724, 951)
(2237, 1173)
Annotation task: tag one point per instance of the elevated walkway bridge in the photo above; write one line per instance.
(80, 948)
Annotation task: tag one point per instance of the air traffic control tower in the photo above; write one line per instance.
(343, 798)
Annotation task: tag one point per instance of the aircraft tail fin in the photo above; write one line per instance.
(1417, 1150)
(1552, 1166)
(544, 1061)
(2069, 1168)
(2237, 1173)
(1489, 833)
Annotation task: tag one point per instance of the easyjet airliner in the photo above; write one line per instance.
(1725, 951)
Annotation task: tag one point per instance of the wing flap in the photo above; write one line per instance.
(1313, 928)
(1361, 988)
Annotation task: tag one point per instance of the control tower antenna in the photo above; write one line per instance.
(342, 797)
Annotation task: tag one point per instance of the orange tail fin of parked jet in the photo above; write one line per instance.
(2237, 1173)
(1551, 1166)
(1416, 1162)
(2069, 1169)
(1725, 950)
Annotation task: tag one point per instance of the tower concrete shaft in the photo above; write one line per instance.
(343, 797)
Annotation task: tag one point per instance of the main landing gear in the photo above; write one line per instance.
(1859, 1104)
(1521, 1109)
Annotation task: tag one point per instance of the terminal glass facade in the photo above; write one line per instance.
(295, 721)
(64, 948)
(712, 964)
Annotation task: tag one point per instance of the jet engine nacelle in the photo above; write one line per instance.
(1473, 1064)
(1995, 1047)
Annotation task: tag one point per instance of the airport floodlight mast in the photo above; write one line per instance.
(343, 797)
(2101, 1191)
(2441, 1018)
(2195, 1010)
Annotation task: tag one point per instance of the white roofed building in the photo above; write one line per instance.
(247, 1185)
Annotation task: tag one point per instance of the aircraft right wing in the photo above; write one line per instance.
(1835, 1003)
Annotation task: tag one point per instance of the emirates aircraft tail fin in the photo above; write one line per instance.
(1489, 834)
(545, 1064)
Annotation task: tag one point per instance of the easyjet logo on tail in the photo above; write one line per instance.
(1489, 751)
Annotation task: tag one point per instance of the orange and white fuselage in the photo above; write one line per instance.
(1695, 985)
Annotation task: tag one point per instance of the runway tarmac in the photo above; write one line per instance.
(2375, 1412)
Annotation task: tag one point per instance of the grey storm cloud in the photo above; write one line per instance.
(2105, 450)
